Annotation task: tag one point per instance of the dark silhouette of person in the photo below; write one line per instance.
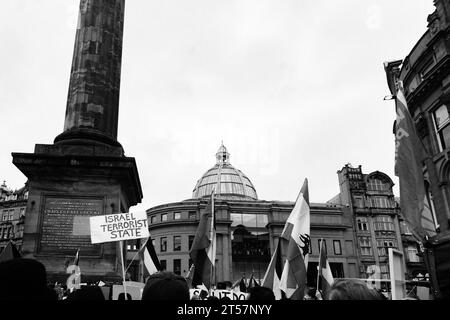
(260, 294)
(351, 289)
(24, 279)
(87, 293)
(166, 285)
(122, 296)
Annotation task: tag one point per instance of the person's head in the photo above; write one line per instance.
(24, 279)
(87, 293)
(122, 296)
(196, 297)
(260, 294)
(350, 289)
(310, 293)
(166, 285)
(203, 294)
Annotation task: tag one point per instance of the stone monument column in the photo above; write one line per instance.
(84, 173)
(93, 99)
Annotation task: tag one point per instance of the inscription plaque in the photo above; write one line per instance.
(65, 225)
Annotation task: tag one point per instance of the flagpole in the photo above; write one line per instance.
(213, 242)
(318, 265)
(135, 255)
(123, 269)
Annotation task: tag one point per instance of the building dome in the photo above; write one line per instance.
(229, 182)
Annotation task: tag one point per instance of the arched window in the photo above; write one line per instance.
(377, 185)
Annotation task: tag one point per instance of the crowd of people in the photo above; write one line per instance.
(26, 279)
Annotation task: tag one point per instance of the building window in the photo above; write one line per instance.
(25, 195)
(177, 243)
(324, 244)
(163, 244)
(383, 246)
(177, 266)
(337, 247)
(428, 65)
(362, 224)
(132, 247)
(380, 202)
(152, 219)
(192, 215)
(191, 241)
(384, 269)
(429, 210)
(384, 223)
(164, 217)
(412, 254)
(377, 185)
(11, 215)
(249, 220)
(163, 264)
(22, 212)
(365, 245)
(404, 228)
(442, 127)
(177, 215)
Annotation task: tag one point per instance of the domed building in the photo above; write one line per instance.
(228, 182)
(247, 227)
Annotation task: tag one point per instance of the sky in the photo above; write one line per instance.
(293, 88)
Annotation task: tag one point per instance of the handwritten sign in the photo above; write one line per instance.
(233, 295)
(117, 227)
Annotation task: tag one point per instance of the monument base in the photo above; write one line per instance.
(67, 185)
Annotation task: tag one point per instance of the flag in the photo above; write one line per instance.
(190, 276)
(240, 283)
(325, 277)
(409, 156)
(149, 257)
(273, 274)
(297, 235)
(212, 233)
(252, 282)
(203, 250)
(77, 258)
(9, 252)
(74, 280)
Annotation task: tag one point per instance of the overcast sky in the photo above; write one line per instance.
(294, 88)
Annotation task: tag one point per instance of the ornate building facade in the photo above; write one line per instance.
(378, 223)
(425, 75)
(12, 215)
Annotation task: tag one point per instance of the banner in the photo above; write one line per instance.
(134, 289)
(233, 295)
(117, 227)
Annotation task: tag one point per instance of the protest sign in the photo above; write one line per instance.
(117, 227)
(397, 273)
(233, 295)
(135, 289)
